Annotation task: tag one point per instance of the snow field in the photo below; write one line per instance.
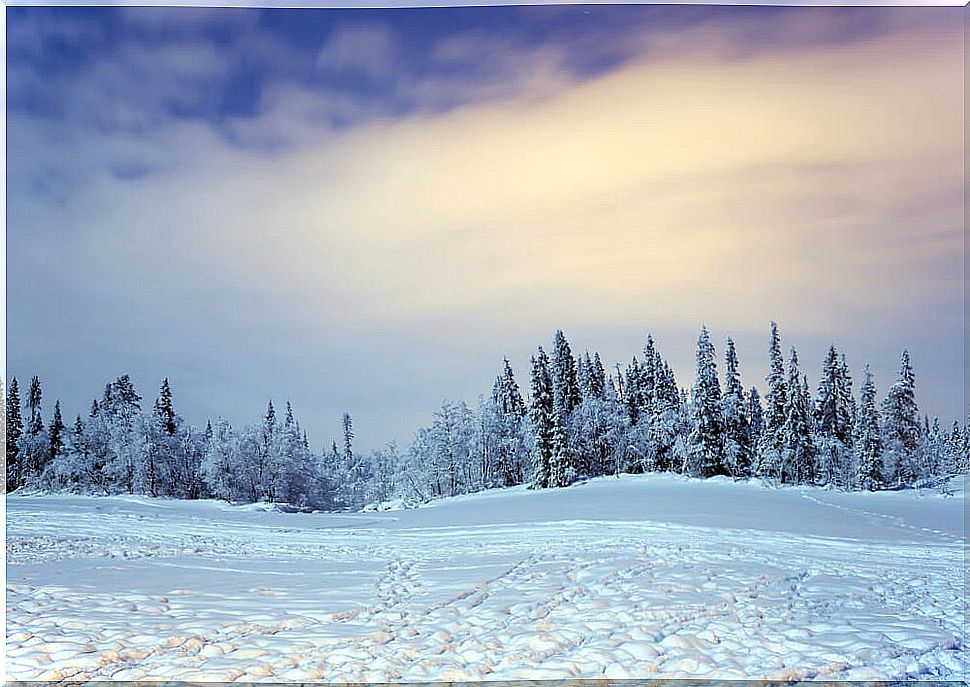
(676, 578)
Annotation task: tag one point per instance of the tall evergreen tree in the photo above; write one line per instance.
(510, 411)
(737, 433)
(632, 396)
(867, 438)
(348, 425)
(706, 443)
(56, 433)
(15, 429)
(833, 417)
(756, 419)
(164, 410)
(901, 424)
(798, 451)
(597, 376)
(541, 413)
(563, 468)
(34, 449)
(776, 398)
(34, 396)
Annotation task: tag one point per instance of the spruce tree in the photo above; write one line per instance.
(776, 398)
(15, 430)
(510, 409)
(348, 425)
(541, 414)
(56, 432)
(597, 376)
(798, 453)
(833, 415)
(34, 396)
(867, 437)
(34, 450)
(756, 420)
(737, 433)
(706, 443)
(901, 424)
(564, 467)
(631, 391)
(164, 410)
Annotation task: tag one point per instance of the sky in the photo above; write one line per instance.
(365, 210)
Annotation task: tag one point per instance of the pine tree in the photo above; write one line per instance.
(563, 468)
(55, 434)
(15, 430)
(707, 437)
(164, 410)
(901, 424)
(867, 437)
(833, 417)
(798, 452)
(541, 413)
(756, 419)
(510, 411)
(737, 433)
(348, 425)
(631, 391)
(34, 396)
(597, 376)
(770, 446)
(34, 448)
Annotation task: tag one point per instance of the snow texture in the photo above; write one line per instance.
(631, 577)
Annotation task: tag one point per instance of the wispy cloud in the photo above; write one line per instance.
(692, 171)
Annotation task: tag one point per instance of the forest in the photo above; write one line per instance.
(577, 421)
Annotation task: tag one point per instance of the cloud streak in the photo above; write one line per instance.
(813, 176)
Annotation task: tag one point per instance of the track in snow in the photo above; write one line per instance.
(675, 578)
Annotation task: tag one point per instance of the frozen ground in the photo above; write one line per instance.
(631, 577)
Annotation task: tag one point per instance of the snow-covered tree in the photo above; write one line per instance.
(901, 430)
(541, 414)
(737, 433)
(706, 442)
(833, 422)
(769, 458)
(797, 449)
(867, 439)
(756, 421)
(55, 435)
(15, 430)
(564, 464)
(503, 420)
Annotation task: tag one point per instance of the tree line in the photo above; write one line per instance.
(578, 421)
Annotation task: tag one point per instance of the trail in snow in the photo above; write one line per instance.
(650, 576)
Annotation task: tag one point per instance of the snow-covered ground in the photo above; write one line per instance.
(632, 577)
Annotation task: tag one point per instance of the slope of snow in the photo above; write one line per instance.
(645, 576)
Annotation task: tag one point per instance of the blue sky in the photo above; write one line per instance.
(364, 210)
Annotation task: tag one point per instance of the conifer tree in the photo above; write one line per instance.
(737, 433)
(348, 425)
(867, 437)
(15, 429)
(901, 424)
(164, 410)
(55, 434)
(798, 453)
(776, 398)
(563, 468)
(597, 376)
(34, 396)
(541, 413)
(631, 391)
(833, 420)
(756, 421)
(706, 443)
